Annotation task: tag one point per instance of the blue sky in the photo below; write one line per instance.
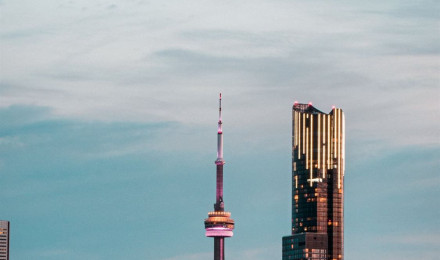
(108, 117)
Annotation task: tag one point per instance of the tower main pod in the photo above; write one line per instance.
(219, 224)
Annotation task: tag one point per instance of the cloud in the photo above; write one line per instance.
(402, 246)
(423, 240)
(195, 256)
(260, 253)
(126, 65)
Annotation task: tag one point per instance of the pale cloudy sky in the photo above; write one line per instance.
(108, 123)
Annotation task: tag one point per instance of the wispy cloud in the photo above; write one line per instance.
(422, 240)
(195, 256)
(260, 253)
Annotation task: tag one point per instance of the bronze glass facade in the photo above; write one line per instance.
(318, 153)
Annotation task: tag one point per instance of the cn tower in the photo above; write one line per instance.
(219, 223)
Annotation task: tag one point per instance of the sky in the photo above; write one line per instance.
(108, 123)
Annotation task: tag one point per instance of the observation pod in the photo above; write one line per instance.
(219, 224)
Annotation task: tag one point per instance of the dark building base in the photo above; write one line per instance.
(305, 246)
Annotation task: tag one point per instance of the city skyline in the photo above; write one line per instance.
(106, 123)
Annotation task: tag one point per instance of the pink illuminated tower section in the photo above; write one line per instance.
(219, 223)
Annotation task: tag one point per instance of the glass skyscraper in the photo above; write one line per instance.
(318, 154)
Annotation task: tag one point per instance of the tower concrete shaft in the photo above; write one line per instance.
(219, 248)
(219, 204)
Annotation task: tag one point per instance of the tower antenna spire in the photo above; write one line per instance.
(220, 108)
(220, 136)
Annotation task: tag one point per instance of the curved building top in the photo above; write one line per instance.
(309, 108)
